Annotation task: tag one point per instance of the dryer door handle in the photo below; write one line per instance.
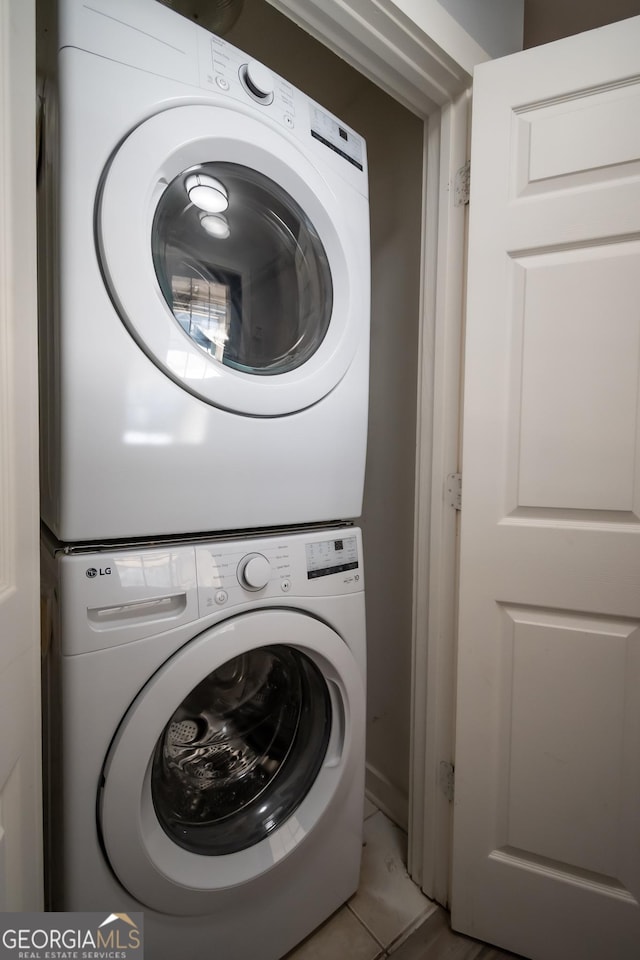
(335, 746)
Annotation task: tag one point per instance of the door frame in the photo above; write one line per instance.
(397, 55)
(21, 853)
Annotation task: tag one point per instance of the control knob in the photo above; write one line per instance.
(259, 80)
(254, 571)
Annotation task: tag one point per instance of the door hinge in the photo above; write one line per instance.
(454, 490)
(447, 779)
(462, 185)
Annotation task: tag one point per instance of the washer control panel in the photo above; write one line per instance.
(322, 563)
(132, 592)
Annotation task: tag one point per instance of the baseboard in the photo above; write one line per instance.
(387, 797)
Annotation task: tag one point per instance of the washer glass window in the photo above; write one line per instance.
(241, 751)
(242, 268)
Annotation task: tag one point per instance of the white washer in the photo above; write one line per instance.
(205, 733)
(205, 285)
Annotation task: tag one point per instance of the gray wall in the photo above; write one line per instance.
(394, 142)
(547, 20)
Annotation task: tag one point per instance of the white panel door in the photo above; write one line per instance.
(547, 795)
(20, 790)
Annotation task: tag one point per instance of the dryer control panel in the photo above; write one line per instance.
(314, 564)
(228, 71)
(153, 38)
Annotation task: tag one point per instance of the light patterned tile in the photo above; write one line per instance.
(341, 937)
(388, 902)
(435, 940)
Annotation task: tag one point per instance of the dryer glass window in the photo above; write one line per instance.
(242, 268)
(242, 751)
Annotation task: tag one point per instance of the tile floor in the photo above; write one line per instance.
(435, 940)
(386, 909)
(388, 916)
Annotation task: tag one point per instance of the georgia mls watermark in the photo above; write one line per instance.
(71, 936)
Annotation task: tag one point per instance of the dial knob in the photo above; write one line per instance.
(259, 79)
(254, 571)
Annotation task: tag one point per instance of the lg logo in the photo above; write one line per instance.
(92, 572)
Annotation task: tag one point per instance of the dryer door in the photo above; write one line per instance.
(231, 260)
(229, 756)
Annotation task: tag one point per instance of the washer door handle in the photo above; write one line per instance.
(335, 746)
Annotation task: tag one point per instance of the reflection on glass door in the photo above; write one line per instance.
(203, 310)
(242, 268)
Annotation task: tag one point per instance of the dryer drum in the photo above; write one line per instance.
(241, 751)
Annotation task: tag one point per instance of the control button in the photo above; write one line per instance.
(254, 571)
(285, 585)
(222, 596)
(222, 82)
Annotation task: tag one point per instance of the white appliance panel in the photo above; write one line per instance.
(112, 689)
(146, 430)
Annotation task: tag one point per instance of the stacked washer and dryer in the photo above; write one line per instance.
(204, 271)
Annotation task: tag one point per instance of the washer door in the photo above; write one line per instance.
(229, 757)
(225, 253)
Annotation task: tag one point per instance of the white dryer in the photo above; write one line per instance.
(205, 285)
(205, 725)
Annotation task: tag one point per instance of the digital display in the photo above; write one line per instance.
(331, 556)
(328, 131)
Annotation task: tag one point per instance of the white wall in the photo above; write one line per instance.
(496, 25)
(394, 141)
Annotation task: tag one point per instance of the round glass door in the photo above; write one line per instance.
(242, 750)
(242, 268)
(238, 747)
